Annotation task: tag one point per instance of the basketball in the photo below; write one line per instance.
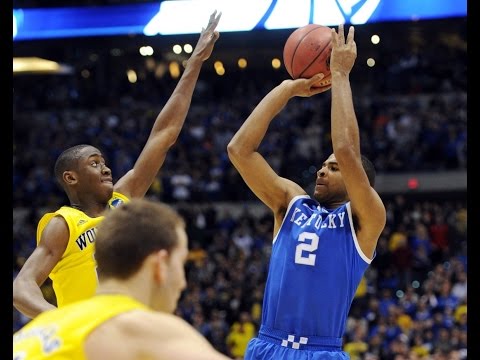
(307, 52)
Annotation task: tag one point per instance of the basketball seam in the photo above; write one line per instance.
(295, 51)
(315, 58)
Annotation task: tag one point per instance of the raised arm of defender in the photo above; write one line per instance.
(171, 118)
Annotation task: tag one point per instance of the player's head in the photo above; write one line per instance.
(82, 169)
(329, 185)
(144, 241)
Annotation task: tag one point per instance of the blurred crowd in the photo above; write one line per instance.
(412, 302)
(425, 132)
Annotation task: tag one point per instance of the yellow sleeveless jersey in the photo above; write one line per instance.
(75, 277)
(61, 333)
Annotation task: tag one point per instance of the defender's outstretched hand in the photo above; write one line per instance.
(343, 53)
(208, 37)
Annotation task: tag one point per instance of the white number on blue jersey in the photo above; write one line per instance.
(304, 251)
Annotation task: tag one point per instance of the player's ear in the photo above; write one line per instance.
(69, 177)
(160, 264)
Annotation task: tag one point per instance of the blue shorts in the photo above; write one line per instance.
(268, 346)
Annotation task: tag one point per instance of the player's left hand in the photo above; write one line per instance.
(344, 52)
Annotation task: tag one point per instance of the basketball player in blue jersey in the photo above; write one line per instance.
(65, 238)
(321, 245)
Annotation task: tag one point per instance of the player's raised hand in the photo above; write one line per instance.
(344, 52)
(208, 37)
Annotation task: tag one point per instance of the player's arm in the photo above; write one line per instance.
(367, 206)
(273, 190)
(27, 295)
(149, 335)
(170, 120)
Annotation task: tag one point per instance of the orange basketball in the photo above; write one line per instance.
(307, 52)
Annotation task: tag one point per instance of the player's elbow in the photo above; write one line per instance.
(237, 148)
(233, 150)
(17, 291)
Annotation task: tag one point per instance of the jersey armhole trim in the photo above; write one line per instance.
(290, 204)
(354, 236)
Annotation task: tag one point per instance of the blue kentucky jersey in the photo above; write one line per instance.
(315, 268)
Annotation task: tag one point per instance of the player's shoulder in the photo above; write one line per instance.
(143, 330)
(302, 200)
(141, 323)
(54, 219)
(146, 321)
(64, 214)
(63, 211)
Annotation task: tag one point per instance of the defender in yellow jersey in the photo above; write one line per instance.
(130, 317)
(78, 257)
(82, 172)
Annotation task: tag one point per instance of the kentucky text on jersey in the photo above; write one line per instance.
(333, 220)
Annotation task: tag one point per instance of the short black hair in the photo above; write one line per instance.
(67, 160)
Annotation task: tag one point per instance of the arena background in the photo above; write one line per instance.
(412, 111)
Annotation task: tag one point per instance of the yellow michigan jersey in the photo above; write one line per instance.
(75, 277)
(61, 333)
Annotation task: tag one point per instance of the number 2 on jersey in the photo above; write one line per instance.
(304, 251)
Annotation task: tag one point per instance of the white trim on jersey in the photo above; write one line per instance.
(286, 212)
(354, 235)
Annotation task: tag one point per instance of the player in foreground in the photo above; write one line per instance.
(321, 245)
(65, 238)
(141, 249)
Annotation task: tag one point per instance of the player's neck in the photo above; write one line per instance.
(76, 206)
(331, 206)
(90, 211)
(114, 288)
(137, 287)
